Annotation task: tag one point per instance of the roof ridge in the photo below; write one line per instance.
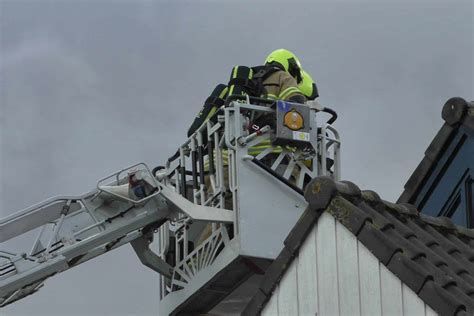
(457, 110)
(322, 189)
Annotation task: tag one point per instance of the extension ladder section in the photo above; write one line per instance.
(126, 207)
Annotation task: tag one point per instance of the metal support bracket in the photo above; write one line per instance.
(149, 258)
(197, 212)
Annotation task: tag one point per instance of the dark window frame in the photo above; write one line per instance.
(463, 192)
(469, 192)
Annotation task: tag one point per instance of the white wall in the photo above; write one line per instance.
(335, 274)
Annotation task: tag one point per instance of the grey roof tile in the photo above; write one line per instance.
(446, 303)
(350, 215)
(416, 275)
(380, 244)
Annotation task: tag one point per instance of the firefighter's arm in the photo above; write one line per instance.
(289, 89)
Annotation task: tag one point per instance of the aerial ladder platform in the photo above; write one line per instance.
(218, 210)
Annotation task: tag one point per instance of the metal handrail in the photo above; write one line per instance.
(229, 134)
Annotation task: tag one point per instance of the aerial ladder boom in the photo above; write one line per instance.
(219, 209)
(72, 230)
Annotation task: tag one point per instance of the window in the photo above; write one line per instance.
(459, 206)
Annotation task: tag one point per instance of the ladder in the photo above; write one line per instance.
(72, 230)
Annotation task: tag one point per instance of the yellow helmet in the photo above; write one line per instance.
(287, 61)
(307, 86)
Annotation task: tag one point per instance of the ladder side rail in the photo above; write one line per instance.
(182, 171)
(329, 145)
(6, 255)
(34, 208)
(194, 166)
(324, 150)
(200, 162)
(337, 152)
(53, 241)
(67, 210)
(211, 159)
(35, 216)
(163, 246)
(220, 168)
(233, 188)
(84, 208)
(228, 128)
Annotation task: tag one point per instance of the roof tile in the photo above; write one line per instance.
(344, 211)
(440, 300)
(377, 242)
(416, 276)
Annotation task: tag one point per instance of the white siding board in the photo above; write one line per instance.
(271, 309)
(335, 274)
(369, 278)
(348, 271)
(412, 304)
(307, 276)
(391, 290)
(429, 311)
(326, 257)
(288, 292)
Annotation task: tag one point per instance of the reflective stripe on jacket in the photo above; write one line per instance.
(280, 85)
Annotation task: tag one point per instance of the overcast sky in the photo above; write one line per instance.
(90, 87)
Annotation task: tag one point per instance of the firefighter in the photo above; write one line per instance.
(278, 78)
(283, 84)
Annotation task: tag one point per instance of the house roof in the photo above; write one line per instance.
(432, 256)
(456, 112)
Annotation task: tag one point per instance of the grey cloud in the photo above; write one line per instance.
(88, 88)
